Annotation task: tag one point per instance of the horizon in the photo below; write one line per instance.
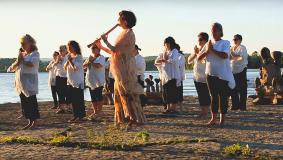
(53, 23)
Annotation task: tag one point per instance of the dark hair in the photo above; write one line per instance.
(170, 40)
(265, 53)
(56, 53)
(76, 46)
(237, 36)
(179, 49)
(204, 35)
(219, 27)
(129, 17)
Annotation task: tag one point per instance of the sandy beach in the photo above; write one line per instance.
(181, 136)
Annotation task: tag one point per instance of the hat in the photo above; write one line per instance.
(137, 47)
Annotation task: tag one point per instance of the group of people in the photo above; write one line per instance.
(220, 71)
(67, 76)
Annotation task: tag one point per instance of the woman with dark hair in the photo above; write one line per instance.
(168, 66)
(75, 80)
(199, 75)
(126, 88)
(239, 63)
(218, 70)
(26, 80)
(51, 68)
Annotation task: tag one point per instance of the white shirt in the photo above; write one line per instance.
(170, 69)
(219, 67)
(60, 68)
(52, 73)
(182, 64)
(140, 64)
(239, 65)
(26, 79)
(107, 66)
(199, 70)
(95, 77)
(75, 78)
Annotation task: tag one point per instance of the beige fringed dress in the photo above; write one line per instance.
(126, 88)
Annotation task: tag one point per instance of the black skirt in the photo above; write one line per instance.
(180, 92)
(170, 92)
(29, 107)
(77, 100)
(96, 94)
(203, 93)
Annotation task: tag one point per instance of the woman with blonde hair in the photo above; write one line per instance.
(26, 79)
(126, 88)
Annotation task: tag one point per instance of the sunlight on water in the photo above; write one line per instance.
(9, 95)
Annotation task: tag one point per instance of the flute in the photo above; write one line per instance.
(91, 44)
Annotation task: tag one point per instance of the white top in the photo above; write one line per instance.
(107, 66)
(52, 73)
(219, 67)
(170, 69)
(26, 79)
(199, 70)
(140, 64)
(75, 77)
(95, 77)
(238, 65)
(182, 66)
(60, 68)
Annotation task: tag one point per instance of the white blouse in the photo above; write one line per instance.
(26, 79)
(199, 69)
(219, 67)
(182, 66)
(95, 77)
(140, 64)
(60, 71)
(52, 73)
(170, 69)
(75, 77)
(239, 65)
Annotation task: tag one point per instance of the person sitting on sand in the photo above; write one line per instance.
(270, 75)
(95, 80)
(51, 68)
(149, 84)
(26, 80)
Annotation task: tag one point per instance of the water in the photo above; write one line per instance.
(9, 95)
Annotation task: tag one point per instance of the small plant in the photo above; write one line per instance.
(142, 136)
(59, 140)
(20, 139)
(237, 150)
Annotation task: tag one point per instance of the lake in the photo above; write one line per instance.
(9, 95)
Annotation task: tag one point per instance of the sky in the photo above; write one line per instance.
(55, 22)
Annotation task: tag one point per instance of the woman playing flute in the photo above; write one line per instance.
(126, 88)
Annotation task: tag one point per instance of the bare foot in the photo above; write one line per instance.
(60, 111)
(72, 120)
(30, 123)
(21, 116)
(212, 122)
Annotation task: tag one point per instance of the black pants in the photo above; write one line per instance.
(142, 96)
(239, 93)
(218, 90)
(29, 107)
(55, 94)
(61, 85)
(77, 100)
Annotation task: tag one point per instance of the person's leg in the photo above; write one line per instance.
(235, 92)
(213, 86)
(54, 96)
(223, 100)
(73, 98)
(61, 96)
(243, 90)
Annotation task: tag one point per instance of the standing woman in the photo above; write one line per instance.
(199, 75)
(61, 79)
(51, 68)
(26, 80)
(95, 79)
(239, 63)
(126, 88)
(75, 80)
(218, 71)
(182, 68)
(168, 66)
